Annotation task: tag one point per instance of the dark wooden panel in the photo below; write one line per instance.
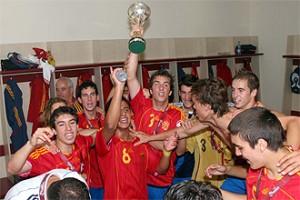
(2, 150)
(156, 66)
(5, 185)
(215, 62)
(295, 113)
(188, 64)
(72, 73)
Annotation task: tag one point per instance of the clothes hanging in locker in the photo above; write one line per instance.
(39, 95)
(14, 114)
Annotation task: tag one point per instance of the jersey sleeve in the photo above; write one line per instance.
(101, 145)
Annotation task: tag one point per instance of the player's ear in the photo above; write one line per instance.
(262, 145)
(254, 93)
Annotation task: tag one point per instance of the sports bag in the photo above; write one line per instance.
(247, 49)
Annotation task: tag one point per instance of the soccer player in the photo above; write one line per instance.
(123, 165)
(88, 97)
(258, 137)
(206, 146)
(69, 150)
(153, 116)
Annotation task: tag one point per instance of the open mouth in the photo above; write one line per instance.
(161, 94)
(123, 120)
(69, 136)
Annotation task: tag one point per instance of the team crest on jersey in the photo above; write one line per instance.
(178, 124)
(165, 125)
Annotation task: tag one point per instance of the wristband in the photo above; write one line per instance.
(167, 153)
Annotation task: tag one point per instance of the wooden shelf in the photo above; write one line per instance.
(291, 56)
(295, 59)
(69, 70)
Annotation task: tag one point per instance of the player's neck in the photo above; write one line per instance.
(90, 114)
(123, 134)
(251, 104)
(65, 148)
(222, 122)
(188, 109)
(272, 162)
(160, 105)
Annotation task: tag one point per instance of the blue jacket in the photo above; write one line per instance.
(15, 115)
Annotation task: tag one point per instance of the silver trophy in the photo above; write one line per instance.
(138, 13)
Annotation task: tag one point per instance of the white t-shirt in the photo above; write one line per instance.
(30, 188)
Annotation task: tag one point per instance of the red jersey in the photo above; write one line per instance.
(84, 122)
(43, 160)
(149, 121)
(289, 191)
(124, 166)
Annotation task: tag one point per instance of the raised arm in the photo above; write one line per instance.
(114, 111)
(131, 66)
(17, 163)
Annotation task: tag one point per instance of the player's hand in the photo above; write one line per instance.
(144, 137)
(170, 143)
(290, 163)
(215, 170)
(101, 111)
(136, 30)
(42, 136)
(187, 124)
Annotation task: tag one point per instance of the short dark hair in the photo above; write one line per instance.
(68, 189)
(193, 190)
(84, 85)
(187, 80)
(162, 72)
(258, 123)
(212, 92)
(250, 77)
(61, 111)
(107, 105)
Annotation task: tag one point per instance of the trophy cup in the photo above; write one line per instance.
(138, 13)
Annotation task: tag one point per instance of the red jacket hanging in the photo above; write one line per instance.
(106, 84)
(224, 72)
(39, 95)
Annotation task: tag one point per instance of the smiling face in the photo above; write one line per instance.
(125, 117)
(161, 89)
(88, 99)
(253, 156)
(242, 97)
(66, 129)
